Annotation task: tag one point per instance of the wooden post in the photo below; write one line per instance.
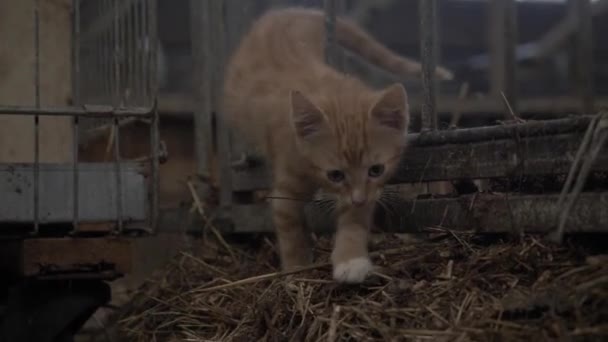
(581, 11)
(200, 33)
(502, 41)
(216, 19)
(428, 56)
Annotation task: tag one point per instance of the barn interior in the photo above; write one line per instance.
(117, 169)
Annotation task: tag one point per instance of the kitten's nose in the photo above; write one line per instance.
(358, 197)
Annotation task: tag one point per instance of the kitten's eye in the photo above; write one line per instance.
(376, 170)
(335, 176)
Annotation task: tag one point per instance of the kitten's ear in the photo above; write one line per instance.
(307, 119)
(391, 109)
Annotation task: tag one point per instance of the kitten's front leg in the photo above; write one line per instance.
(350, 257)
(288, 217)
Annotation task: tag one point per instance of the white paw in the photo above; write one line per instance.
(353, 271)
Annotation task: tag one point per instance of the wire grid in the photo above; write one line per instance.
(116, 52)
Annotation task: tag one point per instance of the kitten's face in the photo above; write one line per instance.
(353, 158)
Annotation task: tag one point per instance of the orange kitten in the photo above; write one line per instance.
(318, 128)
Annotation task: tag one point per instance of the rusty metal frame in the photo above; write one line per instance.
(115, 112)
(519, 149)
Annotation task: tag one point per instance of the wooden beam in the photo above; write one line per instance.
(536, 148)
(49, 256)
(491, 159)
(481, 212)
(504, 213)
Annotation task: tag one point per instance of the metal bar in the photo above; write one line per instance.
(428, 57)
(36, 118)
(122, 86)
(139, 50)
(115, 63)
(144, 49)
(131, 53)
(155, 165)
(116, 128)
(118, 175)
(100, 65)
(103, 39)
(75, 171)
(153, 44)
(108, 56)
(203, 133)
(218, 29)
(502, 40)
(86, 111)
(76, 99)
(154, 127)
(331, 48)
(584, 61)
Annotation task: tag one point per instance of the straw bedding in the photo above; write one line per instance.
(453, 286)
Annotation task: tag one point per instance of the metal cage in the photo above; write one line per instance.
(513, 150)
(113, 82)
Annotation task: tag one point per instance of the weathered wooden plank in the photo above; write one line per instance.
(481, 212)
(540, 148)
(47, 256)
(502, 213)
(502, 158)
(506, 131)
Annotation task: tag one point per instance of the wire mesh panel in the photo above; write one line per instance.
(116, 51)
(113, 81)
(115, 63)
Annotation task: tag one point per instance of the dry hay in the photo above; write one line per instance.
(454, 287)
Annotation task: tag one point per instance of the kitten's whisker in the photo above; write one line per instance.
(386, 206)
(326, 205)
(287, 198)
(392, 196)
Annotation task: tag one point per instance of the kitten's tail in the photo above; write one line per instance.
(352, 37)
